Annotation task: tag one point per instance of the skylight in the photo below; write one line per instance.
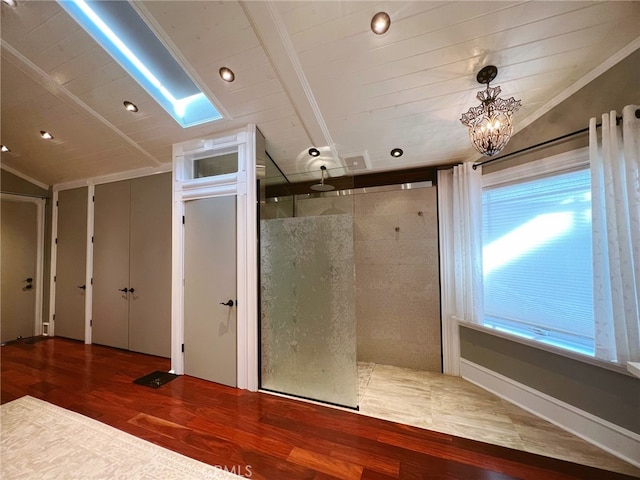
(118, 28)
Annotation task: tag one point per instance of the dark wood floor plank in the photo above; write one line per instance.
(385, 465)
(325, 464)
(251, 435)
(373, 475)
(255, 434)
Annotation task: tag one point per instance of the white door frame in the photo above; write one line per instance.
(40, 203)
(249, 144)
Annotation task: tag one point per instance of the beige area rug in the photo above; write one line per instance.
(42, 441)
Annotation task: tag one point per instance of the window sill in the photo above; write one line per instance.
(548, 348)
(634, 368)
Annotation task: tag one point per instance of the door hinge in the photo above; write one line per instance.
(183, 219)
(91, 238)
(56, 241)
(54, 316)
(57, 203)
(91, 281)
(54, 278)
(93, 199)
(91, 323)
(183, 348)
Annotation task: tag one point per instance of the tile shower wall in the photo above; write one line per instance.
(397, 278)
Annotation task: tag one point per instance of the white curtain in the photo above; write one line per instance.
(615, 196)
(460, 230)
(467, 237)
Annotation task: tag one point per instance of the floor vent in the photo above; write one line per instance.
(155, 379)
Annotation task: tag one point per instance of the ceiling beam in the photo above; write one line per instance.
(277, 44)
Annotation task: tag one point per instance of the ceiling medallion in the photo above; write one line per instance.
(489, 124)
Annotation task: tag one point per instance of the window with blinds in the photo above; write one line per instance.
(537, 263)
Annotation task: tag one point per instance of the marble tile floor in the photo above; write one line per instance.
(455, 406)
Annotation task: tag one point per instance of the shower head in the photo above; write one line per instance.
(322, 187)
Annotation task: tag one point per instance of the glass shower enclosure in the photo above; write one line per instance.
(307, 293)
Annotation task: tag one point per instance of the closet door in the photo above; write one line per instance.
(150, 265)
(19, 248)
(210, 281)
(71, 263)
(111, 265)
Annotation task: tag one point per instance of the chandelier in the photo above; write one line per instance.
(489, 124)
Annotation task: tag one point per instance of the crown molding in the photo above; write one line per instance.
(23, 176)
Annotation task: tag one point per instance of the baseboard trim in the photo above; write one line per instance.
(612, 438)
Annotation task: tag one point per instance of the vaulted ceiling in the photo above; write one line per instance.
(307, 73)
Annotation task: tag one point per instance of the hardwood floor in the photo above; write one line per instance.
(255, 434)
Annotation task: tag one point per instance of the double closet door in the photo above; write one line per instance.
(131, 306)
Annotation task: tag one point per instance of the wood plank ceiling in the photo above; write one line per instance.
(308, 73)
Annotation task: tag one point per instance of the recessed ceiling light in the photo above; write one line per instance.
(380, 23)
(46, 135)
(396, 152)
(4, 148)
(11, 3)
(227, 74)
(314, 152)
(131, 107)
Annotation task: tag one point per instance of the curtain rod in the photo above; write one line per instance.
(541, 144)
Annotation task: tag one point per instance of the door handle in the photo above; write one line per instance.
(83, 287)
(28, 280)
(131, 290)
(125, 289)
(228, 303)
(28, 287)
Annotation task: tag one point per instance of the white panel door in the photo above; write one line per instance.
(71, 263)
(19, 254)
(110, 309)
(150, 265)
(210, 335)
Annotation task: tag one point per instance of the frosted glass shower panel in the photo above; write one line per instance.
(308, 308)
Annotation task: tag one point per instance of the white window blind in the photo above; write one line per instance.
(537, 259)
